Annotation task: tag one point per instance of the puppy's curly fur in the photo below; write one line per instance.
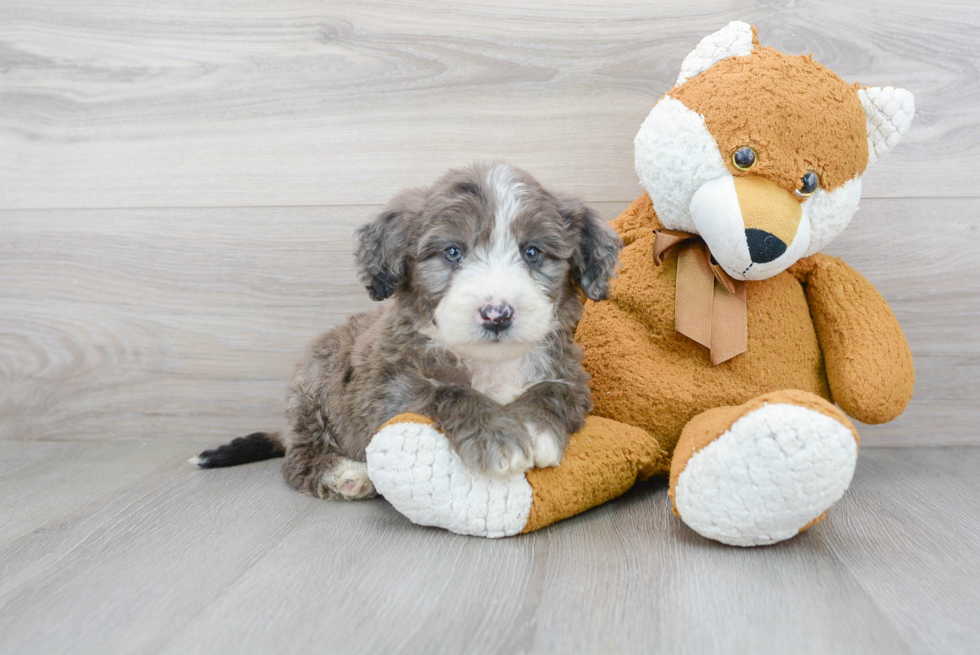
(486, 271)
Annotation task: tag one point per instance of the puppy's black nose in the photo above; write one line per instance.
(763, 246)
(497, 318)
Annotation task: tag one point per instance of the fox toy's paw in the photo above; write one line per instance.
(764, 471)
(416, 469)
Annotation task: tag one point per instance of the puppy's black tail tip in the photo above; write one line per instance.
(253, 448)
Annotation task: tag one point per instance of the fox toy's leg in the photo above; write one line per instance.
(763, 471)
(413, 466)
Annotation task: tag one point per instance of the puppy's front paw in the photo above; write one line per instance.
(548, 448)
(502, 447)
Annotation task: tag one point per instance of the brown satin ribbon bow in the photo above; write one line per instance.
(709, 306)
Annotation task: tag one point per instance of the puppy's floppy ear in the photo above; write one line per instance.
(382, 244)
(597, 254)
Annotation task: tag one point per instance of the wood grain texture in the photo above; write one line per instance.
(161, 557)
(121, 103)
(180, 323)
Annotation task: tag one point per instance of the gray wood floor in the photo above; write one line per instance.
(179, 183)
(123, 548)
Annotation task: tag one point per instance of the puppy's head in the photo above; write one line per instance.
(489, 261)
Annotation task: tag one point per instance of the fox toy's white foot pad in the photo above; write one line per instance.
(777, 469)
(413, 466)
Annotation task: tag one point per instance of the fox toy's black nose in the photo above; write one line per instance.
(497, 318)
(763, 246)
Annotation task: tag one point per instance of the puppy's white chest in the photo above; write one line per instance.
(503, 381)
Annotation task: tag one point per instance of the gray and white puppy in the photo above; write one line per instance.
(487, 271)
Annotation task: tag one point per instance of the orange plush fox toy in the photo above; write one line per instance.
(726, 339)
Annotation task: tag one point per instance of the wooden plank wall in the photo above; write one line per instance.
(179, 181)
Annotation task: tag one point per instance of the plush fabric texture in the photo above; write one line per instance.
(788, 138)
(890, 112)
(674, 156)
(646, 374)
(830, 212)
(413, 466)
(762, 472)
(766, 207)
(869, 363)
(819, 327)
(602, 461)
(818, 332)
(736, 39)
(709, 425)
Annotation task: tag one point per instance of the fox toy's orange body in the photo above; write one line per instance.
(646, 374)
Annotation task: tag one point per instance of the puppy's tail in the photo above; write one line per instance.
(253, 448)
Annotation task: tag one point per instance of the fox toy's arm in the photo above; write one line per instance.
(869, 364)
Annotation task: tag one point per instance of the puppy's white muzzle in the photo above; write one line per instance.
(493, 310)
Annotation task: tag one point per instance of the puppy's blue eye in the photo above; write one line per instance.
(532, 255)
(453, 254)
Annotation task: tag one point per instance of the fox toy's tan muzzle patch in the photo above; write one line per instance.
(753, 228)
(767, 211)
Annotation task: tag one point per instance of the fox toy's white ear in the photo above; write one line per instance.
(734, 40)
(889, 112)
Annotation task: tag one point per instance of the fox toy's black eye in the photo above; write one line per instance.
(809, 183)
(532, 255)
(744, 158)
(453, 254)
